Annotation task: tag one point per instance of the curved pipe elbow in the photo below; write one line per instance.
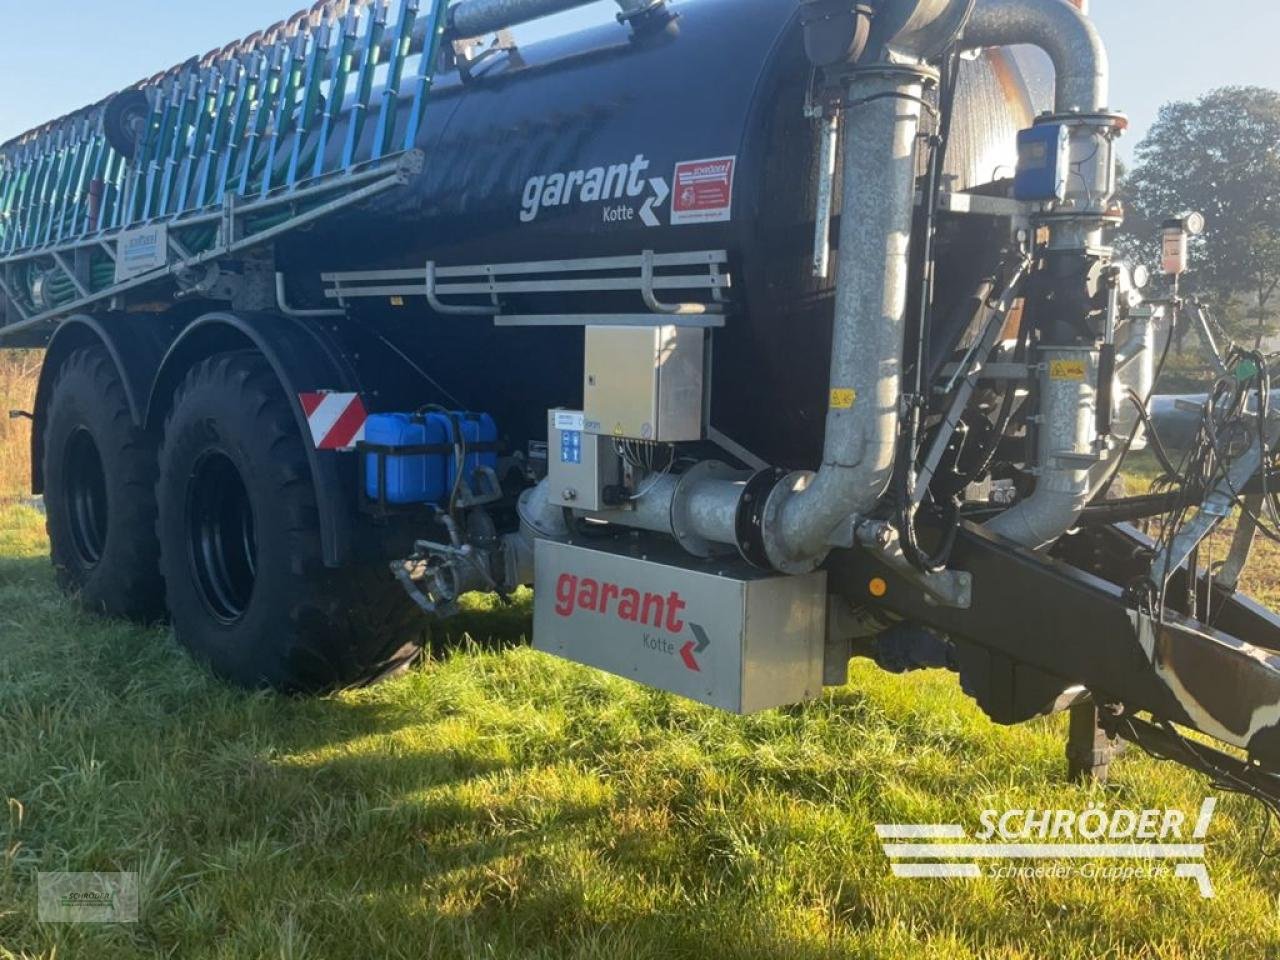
(1071, 40)
(808, 514)
(1040, 520)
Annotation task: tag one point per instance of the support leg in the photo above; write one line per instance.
(1089, 749)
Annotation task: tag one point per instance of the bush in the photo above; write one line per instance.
(19, 370)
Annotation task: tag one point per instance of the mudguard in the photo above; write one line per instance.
(136, 345)
(305, 361)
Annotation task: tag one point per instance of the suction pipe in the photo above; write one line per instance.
(1072, 459)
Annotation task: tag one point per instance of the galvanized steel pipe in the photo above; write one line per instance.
(475, 18)
(709, 508)
(1069, 465)
(881, 123)
(881, 130)
(1071, 40)
(1071, 457)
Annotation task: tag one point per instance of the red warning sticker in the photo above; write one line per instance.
(703, 191)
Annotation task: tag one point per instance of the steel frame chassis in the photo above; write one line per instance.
(236, 233)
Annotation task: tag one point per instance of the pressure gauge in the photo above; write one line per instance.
(1141, 277)
(1174, 246)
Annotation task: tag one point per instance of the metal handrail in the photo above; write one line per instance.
(701, 270)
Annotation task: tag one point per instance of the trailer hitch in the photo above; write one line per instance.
(1070, 617)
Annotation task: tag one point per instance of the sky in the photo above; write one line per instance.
(59, 55)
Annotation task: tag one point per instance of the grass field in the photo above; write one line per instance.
(497, 803)
(18, 372)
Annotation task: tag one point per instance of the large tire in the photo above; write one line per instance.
(100, 475)
(239, 531)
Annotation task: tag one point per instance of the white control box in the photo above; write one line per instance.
(645, 383)
(580, 465)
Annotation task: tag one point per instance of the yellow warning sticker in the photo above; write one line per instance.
(843, 399)
(1067, 370)
(397, 301)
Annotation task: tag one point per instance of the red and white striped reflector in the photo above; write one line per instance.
(337, 420)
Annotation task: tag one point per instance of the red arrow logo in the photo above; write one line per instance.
(694, 646)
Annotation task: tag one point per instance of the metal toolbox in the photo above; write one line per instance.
(739, 639)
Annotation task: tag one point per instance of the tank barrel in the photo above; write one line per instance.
(804, 514)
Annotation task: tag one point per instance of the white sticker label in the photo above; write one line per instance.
(703, 191)
(141, 251)
(570, 420)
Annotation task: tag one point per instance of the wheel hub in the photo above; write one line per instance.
(86, 498)
(223, 548)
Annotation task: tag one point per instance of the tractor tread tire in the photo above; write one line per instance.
(306, 629)
(125, 582)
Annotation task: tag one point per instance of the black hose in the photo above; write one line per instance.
(924, 321)
(1157, 445)
(1133, 434)
(1008, 406)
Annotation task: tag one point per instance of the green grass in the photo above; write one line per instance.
(19, 370)
(497, 803)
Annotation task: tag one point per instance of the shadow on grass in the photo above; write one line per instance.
(24, 571)
(491, 623)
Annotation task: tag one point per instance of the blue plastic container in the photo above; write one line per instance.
(427, 477)
(481, 435)
(417, 478)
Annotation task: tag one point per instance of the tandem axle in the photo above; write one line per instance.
(623, 377)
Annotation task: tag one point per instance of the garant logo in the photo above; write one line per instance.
(614, 185)
(661, 611)
(692, 647)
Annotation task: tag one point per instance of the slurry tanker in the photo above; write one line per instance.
(753, 335)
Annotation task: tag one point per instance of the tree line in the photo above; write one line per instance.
(1219, 155)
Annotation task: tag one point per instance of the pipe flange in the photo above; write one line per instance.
(922, 72)
(749, 523)
(771, 523)
(681, 524)
(1113, 119)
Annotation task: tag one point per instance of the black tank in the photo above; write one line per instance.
(601, 143)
